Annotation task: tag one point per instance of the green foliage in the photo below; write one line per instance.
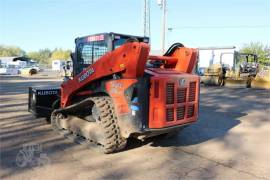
(9, 51)
(60, 54)
(262, 51)
(45, 56)
(42, 56)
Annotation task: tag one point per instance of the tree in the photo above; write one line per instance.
(42, 56)
(9, 51)
(262, 51)
(60, 54)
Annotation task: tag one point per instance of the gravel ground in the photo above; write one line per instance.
(231, 140)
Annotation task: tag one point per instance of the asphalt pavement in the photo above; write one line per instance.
(231, 140)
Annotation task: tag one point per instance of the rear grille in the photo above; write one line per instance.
(169, 114)
(170, 93)
(179, 101)
(180, 112)
(192, 91)
(190, 111)
(181, 95)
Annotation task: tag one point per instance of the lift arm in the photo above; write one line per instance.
(129, 59)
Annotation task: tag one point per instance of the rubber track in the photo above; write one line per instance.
(113, 140)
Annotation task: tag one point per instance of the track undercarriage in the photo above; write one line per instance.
(99, 127)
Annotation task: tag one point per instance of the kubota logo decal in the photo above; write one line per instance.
(85, 75)
(47, 92)
(182, 82)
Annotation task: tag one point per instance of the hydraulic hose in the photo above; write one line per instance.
(173, 47)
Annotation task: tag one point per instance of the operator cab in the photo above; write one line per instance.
(248, 63)
(90, 48)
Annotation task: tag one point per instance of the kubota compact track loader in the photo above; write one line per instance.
(119, 91)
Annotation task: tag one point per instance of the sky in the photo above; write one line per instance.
(36, 24)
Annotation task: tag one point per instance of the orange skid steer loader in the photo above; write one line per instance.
(119, 91)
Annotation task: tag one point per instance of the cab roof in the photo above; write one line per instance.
(105, 34)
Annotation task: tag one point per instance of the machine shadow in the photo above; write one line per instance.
(211, 124)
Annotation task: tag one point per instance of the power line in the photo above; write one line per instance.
(221, 27)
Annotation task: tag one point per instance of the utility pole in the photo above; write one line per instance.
(162, 4)
(146, 18)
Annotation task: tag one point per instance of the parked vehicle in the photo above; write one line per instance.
(119, 91)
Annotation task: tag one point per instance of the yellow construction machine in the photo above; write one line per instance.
(262, 79)
(214, 75)
(244, 70)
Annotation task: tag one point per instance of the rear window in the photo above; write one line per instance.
(118, 42)
(89, 52)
